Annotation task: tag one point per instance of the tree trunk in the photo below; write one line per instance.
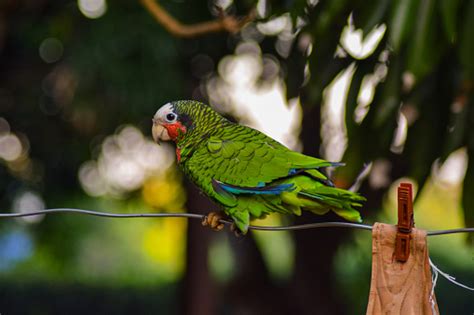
(199, 293)
(313, 285)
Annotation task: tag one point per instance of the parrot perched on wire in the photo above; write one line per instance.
(246, 172)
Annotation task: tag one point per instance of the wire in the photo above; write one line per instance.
(102, 214)
(453, 231)
(437, 271)
(202, 217)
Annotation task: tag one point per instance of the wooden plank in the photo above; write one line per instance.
(397, 287)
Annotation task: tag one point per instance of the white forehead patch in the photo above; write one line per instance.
(164, 110)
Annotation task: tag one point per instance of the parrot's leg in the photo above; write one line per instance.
(212, 220)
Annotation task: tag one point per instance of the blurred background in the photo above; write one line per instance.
(386, 82)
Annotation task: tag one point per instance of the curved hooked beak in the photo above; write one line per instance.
(159, 132)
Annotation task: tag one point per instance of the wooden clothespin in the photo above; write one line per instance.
(401, 285)
(405, 222)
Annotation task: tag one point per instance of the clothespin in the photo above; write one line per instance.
(405, 222)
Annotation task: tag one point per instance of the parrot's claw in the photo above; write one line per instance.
(213, 221)
(237, 232)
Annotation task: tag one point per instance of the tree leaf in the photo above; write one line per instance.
(323, 65)
(372, 139)
(355, 133)
(368, 16)
(468, 185)
(466, 40)
(468, 190)
(457, 126)
(425, 47)
(401, 22)
(334, 13)
(449, 12)
(427, 136)
(363, 68)
(387, 98)
(298, 9)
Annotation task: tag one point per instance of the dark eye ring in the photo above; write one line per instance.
(170, 117)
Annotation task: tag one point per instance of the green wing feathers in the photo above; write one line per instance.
(314, 196)
(252, 175)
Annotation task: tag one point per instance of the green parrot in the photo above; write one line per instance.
(246, 172)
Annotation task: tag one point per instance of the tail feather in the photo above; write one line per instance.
(342, 202)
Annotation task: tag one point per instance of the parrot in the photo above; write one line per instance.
(247, 173)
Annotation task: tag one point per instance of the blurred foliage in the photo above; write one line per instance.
(68, 86)
(425, 68)
(71, 85)
(427, 78)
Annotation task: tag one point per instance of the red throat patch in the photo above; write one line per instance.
(175, 129)
(178, 154)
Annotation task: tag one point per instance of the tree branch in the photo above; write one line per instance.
(225, 22)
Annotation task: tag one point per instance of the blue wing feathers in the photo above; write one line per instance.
(260, 190)
(293, 171)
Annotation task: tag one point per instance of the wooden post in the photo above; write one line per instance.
(401, 275)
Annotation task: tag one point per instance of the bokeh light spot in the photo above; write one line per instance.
(358, 45)
(10, 147)
(126, 160)
(92, 9)
(4, 126)
(26, 202)
(237, 90)
(165, 244)
(51, 50)
(14, 247)
(91, 180)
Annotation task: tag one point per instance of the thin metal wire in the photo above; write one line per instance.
(228, 222)
(452, 231)
(102, 214)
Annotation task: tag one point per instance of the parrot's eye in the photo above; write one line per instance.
(171, 117)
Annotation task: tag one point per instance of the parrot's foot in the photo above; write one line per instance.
(235, 229)
(212, 220)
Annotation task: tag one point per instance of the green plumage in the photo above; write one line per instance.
(221, 157)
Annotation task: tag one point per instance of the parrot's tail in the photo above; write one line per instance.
(315, 197)
(342, 202)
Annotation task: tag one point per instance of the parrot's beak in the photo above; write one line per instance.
(159, 132)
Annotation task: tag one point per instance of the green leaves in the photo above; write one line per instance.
(468, 187)
(400, 24)
(326, 19)
(466, 40)
(367, 17)
(468, 191)
(425, 48)
(298, 9)
(428, 56)
(449, 10)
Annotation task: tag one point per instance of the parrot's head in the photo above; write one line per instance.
(175, 120)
